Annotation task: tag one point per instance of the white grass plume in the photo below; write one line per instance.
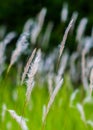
(89, 63)
(49, 61)
(91, 81)
(64, 12)
(3, 112)
(50, 83)
(3, 45)
(74, 16)
(32, 71)
(57, 78)
(64, 38)
(73, 96)
(87, 100)
(63, 63)
(81, 111)
(44, 111)
(90, 122)
(41, 16)
(51, 100)
(2, 57)
(28, 25)
(73, 71)
(40, 21)
(83, 65)
(27, 65)
(21, 46)
(47, 35)
(20, 120)
(88, 43)
(9, 37)
(81, 29)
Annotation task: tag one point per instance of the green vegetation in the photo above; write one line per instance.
(61, 116)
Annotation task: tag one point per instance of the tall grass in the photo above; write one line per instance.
(67, 108)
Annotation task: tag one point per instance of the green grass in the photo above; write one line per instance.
(60, 117)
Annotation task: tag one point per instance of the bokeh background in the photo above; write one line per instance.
(14, 13)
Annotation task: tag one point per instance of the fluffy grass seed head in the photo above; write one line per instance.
(20, 120)
(31, 73)
(64, 12)
(28, 65)
(51, 100)
(64, 38)
(21, 46)
(81, 111)
(91, 81)
(39, 24)
(81, 29)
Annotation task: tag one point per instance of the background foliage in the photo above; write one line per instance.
(14, 13)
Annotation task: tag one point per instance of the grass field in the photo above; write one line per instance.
(42, 90)
(64, 113)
